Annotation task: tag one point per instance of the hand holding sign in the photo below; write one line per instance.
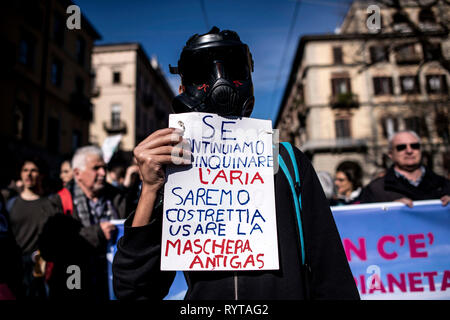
(214, 216)
(152, 154)
(157, 150)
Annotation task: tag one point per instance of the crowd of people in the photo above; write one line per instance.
(407, 180)
(44, 230)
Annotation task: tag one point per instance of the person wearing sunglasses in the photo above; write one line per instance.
(408, 179)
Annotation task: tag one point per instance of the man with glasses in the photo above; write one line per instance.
(407, 180)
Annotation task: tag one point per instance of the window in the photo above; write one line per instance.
(442, 125)
(27, 50)
(340, 86)
(116, 77)
(378, 54)
(409, 84)
(80, 50)
(115, 115)
(383, 86)
(342, 127)
(436, 84)
(58, 29)
(56, 72)
(406, 54)
(432, 51)
(337, 55)
(417, 124)
(426, 15)
(389, 125)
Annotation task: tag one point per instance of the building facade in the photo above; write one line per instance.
(45, 81)
(349, 91)
(130, 95)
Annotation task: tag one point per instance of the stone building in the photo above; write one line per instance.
(349, 91)
(131, 96)
(45, 82)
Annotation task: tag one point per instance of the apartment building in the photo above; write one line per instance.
(349, 91)
(131, 95)
(45, 81)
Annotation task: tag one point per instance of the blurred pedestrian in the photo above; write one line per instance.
(348, 182)
(131, 176)
(66, 172)
(94, 204)
(11, 272)
(28, 213)
(407, 179)
(116, 175)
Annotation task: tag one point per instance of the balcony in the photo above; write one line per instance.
(407, 58)
(80, 105)
(115, 127)
(344, 101)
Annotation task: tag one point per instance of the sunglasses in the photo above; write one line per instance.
(401, 147)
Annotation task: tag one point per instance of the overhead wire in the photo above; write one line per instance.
(205, 15)
(284, 54)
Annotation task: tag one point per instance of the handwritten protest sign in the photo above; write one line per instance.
(219, 212)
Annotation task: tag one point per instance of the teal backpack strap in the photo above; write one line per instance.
(295, 189)
(290, 150)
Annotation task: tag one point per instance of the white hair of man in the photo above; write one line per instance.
(79, 158)
(391, 139)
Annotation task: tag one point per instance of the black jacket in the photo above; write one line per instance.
(390, 188)
(65, 241)
(93, 233)
(136, 266)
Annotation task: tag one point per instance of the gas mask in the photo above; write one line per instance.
(215, 70)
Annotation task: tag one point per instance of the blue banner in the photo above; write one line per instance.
(177, 290)
(394, 252)
(111, 251)
(397, 252)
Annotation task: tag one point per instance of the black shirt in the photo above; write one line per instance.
(27, 218)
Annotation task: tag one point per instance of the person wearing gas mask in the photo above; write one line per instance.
(215, 70)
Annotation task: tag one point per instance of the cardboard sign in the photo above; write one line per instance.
(219, 212)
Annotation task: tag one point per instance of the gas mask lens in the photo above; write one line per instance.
(208, 64)
(197, 69)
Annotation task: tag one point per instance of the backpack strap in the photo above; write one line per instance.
(66, 201)
(295, 189)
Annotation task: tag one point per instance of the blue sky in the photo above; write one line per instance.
(163, 27)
